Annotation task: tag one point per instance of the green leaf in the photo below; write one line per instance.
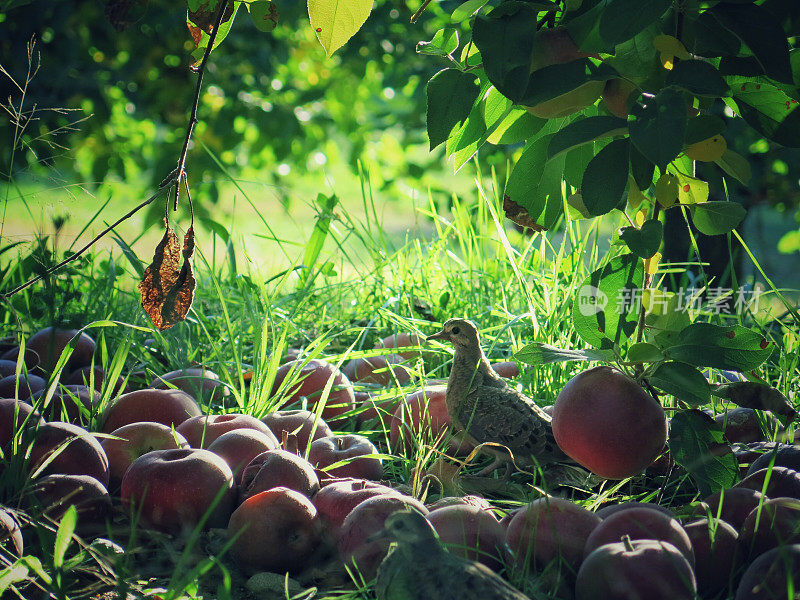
(451, 94)
(64, 535)
(518, 126)
(605, 178)
(264, 15)
(696, 442)
(466, 10)
(336, 21)
(735, 165)
(658, 126)
(637, 59)
(760, 31)
(527, 174)
(643, 242)
(465, 140)
(703, 127)
(766, 109)
(683, 381)
(602, 311)
(716, 218)
(698, 77)
(585, 130)
(537, 353)
(643, 352)
(556, 80)
(444, 43)
(642, 169)
(706, 345)
(623, 19)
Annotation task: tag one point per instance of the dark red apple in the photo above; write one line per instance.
(276, 530)
(508, 369)
(170, 407)
(50, 342)
(715, 552)
(172, 490)
(402, 341)
(22, 389)
(640, 524)
(200, 384)
(279, 468)
(374, 405)
(335, 500)
(550, 529)
(70, 450)
(349, 449)
(202, 430)
(7, 367)
(379, 370)
(298, 422)
(240, 446)
(469, 500)
(54, 494)
(783, 455)
(10, 536)
(609, 510)
(69, 402)
(771, 575)
(774, 482)
(733, 505)
(366, 520)
(470, 532)
(744, 425)
(29, 358)
(95, 376)
(15, 415)
(134, 440)
(607, 423)
(297, 379)
(636, 570)
(423, 416)
(775, 523)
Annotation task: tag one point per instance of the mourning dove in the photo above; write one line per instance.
(487, 409)
(418, 568)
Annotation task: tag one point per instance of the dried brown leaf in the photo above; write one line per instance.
(759, 396)
(205, 16)
(167, 287)
(520, 215)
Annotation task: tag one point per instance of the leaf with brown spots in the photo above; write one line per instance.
(520, 215)
(205, 15)
(167, 289)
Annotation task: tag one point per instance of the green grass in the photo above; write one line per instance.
(367, 281)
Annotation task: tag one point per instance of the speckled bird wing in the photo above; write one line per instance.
(485, 584)
(505, 416)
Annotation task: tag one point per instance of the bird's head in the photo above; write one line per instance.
(408, 526)
(459, 332)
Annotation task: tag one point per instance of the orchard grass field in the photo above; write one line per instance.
(348, 288)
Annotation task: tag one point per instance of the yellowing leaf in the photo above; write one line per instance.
(651, 264)
(336, 21)
(656, 301)
(669, 49)
(667, 190)
(691, 190)
(640, 217)
(708, 150)
(635, 195)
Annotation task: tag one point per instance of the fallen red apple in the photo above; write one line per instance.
(50, 342)
(70, 403)
(423, 417)
(775, 523)
(607, 423)
(202, 430)
(331, 450)
(775, 482)
(401, 341)
(240, 446)
(508, 369)
(771, 575)
(11, 542)
(550, 529)
(169, 407)
(297, 379)
(335, 500)
(7, 367)
(640, 524)
(15, 415)
(744, 425)
(279, 468)
(135, 440)
(301, 423)
(380, 370)
(783, 455)
(715, 552)
(469, 500)
(172, 490)
(643, 569)
(365, 520)
(470, 532)
(52, 495)
(201, 384)
(29, 358)
(22, 388)
(277, 530)
(733, 505)
(609, 510)
(95, 376)
(70, 450)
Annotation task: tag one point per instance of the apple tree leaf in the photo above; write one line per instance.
(451, 94)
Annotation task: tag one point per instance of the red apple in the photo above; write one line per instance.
(423, 415)
(783, 455)
(470, 532)
(379, 370)
(299, 422)
(298, 379)
(22, 389)
(202, 430)
(775, 523)
(200, 384)
(50, 342)
(7, 367)
(640, 524)
(330, 450)
(170, 407)
(733, 505)
(134, 440)
(240, 446)
(10, 536)
(29, 357)
(172, 490)
(744, 425)
(770, 575)
(277, 530)
(54, 494)
(715, 552)
(335, 500)
(69, 402)
(636, 569)
(607, 423)
(468, 500)
(774, 482)
(70, 450)
(366, 520)
(279, 468)
(550, 529)
(616, 94)
(402, 340)
(14, 415)
(97, 377)
(609, 510)
(374, 405)
(507, 369)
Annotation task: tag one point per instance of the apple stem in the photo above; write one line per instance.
(626, 541)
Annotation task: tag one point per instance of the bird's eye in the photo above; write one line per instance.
(455, 330)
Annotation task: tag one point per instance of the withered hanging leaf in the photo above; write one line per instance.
(751, 394)
(167, 289)
(519, 215)
(120, 15)
(204, 16)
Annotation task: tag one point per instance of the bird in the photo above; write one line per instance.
(486, 408)
(419, 568)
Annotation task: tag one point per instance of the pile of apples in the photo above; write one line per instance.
(290, 494)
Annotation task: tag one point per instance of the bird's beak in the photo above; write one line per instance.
(379, 535)
(439, 335)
